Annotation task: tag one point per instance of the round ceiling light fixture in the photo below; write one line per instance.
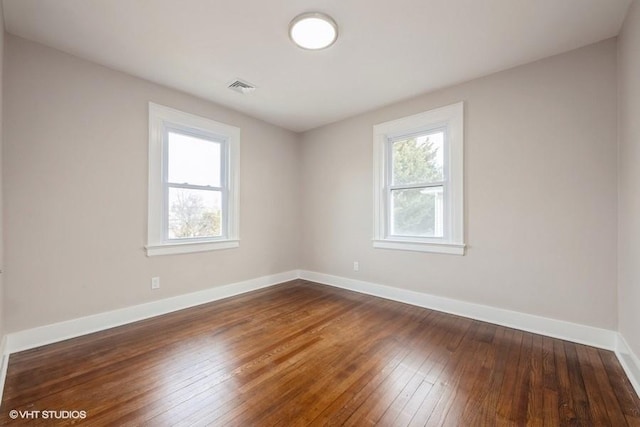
(313, 30)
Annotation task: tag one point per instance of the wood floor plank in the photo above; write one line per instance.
(420, 386)
(382, 353)
(603, 387)
(578, 388)
(372, 401)
(224, 405)
(508, 389)
(436, 338)
(301, 354)
(597, 406)
(565, 399)
(481, 405)
(550, 394)
(190, 359)
(437, 404)
(518, 412)
(351, 400)
(535, 403)
(464, 405)
(122, 350)
(437, 363)
(621, 387)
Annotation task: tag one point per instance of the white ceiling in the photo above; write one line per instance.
(388, 50)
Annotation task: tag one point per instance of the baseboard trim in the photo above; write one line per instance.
(589, 335)
(630, 362)
(596, 337)
(48, 334)
(4, 359)
(582, 334)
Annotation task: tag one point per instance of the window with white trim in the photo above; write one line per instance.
(193, 183)
(418, 182)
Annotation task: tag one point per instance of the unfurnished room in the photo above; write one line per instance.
(297, 213)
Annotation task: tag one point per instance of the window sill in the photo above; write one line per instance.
(434, 247)
(185, 248)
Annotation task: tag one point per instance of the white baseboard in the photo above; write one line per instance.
(4, 359)
(36, 337)
(589, 335)
(596, 337)
(629, 361)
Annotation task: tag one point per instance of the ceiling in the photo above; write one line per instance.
(387, 50)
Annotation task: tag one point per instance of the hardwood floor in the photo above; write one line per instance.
(302, 354)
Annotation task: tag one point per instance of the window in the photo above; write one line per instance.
(418, 182)
(193, 182)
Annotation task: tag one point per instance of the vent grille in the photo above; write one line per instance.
(242, 86)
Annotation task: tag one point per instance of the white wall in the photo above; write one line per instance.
(2, 310)
(541, 216)
(629, 180)
(75, 170)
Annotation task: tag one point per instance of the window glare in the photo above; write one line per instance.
(193, 160)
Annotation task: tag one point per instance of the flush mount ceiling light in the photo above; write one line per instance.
(313, 30)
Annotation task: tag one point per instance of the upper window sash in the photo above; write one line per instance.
(203, 136)
(427, 131)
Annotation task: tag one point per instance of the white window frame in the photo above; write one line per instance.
(451, 119)
(161, 120)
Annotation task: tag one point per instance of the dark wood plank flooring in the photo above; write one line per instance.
(302, 354)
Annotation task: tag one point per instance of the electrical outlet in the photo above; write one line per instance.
(155, 283)
(356, 266)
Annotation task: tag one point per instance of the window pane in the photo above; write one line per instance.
(193, 160)
(418, 160)
(417, 212)
(194, 213)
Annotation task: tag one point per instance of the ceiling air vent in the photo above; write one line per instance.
(242, 86)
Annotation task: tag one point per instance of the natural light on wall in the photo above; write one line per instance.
(313, 30)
